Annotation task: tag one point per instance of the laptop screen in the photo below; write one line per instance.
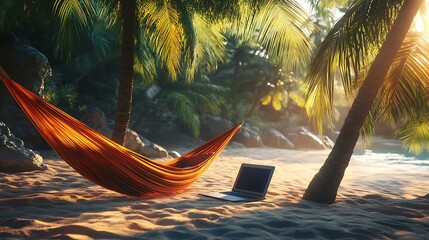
(253, 179)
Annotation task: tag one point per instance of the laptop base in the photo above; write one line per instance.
(233, 196)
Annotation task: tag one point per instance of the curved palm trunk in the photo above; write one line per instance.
(323, 188)
(126, 82)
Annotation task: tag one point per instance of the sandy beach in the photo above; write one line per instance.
(376, 200)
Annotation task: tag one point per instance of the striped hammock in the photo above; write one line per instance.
(106, 163)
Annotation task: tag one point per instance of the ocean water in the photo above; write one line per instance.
(405, 159)
(390, 152)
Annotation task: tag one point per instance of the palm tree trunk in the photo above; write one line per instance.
(324, 186)
(123, 110)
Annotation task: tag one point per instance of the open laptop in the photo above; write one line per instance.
(251, 184)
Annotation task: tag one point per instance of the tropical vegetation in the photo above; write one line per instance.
(176, 60)
(375, 55)
(176, 43)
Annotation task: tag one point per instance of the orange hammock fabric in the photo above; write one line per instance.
(108, 164)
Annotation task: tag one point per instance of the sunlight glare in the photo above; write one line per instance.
(421, 21)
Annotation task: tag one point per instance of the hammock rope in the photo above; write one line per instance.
(106, 163)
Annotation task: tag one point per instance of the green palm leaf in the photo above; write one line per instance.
(404, 97)
(280, 27)
(346, 52)
(415, 136)
(209, 48)
(162, 22)
(72, 18)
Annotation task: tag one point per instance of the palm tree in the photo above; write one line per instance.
(165, 34)
(277, 25)
(126, 83)
(358, 40)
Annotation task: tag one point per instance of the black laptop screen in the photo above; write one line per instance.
(253, 180)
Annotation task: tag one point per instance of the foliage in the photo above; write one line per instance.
(255, 84)
(347, 53)
(168, 101)
(349, 47)
(183, 40)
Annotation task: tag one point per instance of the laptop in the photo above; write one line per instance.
(251, 184)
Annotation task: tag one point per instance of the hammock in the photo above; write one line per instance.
(106, 163)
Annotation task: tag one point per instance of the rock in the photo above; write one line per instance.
(328, 142)
(14, 156)
(132, 141)
(211, 126)
(234, 144)
(96, 119)
(274, 138)
(24, 63)
(148, 149)
(249, 136)
(306, 140)
(30, 68)
(153, 151)
(174, 154)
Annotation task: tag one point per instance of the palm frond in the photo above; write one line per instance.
(345, 52)
(281, 28)
(100, 42)
(72, 16)
(404, 96)
(282, 32)
(210, 48)
(190, 38)
(184, 109)
(415, 136)
(162, 21)
(12, 14)
(144, 61)
(407, 82)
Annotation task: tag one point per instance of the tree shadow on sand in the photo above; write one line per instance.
(367, 217)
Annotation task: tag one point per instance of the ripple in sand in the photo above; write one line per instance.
(171, 220)
(141, 226)
(60, 232)
(17, 223)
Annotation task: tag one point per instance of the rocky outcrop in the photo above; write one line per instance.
(24, 63)
(211, 126)
(249, 136)
(274, 138)
(30, 68)
(134, 142)
(14, 156)
(95, 118)
(304, 139)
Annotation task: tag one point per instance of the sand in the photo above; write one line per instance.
(376, 200)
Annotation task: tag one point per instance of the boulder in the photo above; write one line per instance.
(96, 119)
(234, 144)
(249, 136)
(274, 138)
(304, 139)
(132, 141)
(148, 149)
(328, 142)
(153, 151)
(14, 156)
(30, 68)
(211, 126)
(174, 154)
